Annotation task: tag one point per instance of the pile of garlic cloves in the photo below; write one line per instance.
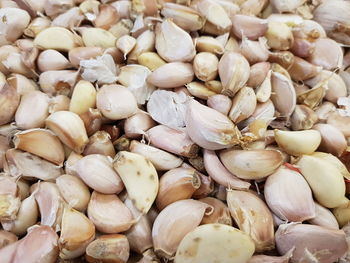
(185, 131)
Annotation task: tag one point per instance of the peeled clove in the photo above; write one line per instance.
(108, 248)
(209, 44)
(205, 66)
(139, 177)
(109, 214)
(325, 179)
(233, 72)
(174, 222)
(97, 172)
(77, 231)
(252, 217)
(171, 140)
(83, 97)
(151, 60)
(298, 142)
(199, 90)
(177, 184)
(279, 36)
(209, 128)
(311, 242)
(251, 164)
(215, 242)
(289, 196)
(162, 160)
(73, 191)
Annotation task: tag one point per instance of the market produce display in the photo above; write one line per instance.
(174, 131)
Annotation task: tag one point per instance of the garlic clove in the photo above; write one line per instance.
(97, 37)
(100, 143)
(263, 92)
(140, 234)
(248, 26)
(19, 163)
(206, 185)
(171, 140)
(171, 75)
(55, 82)
(342, 215)
(162, 160)
(272, 259)
(243, 105)
(126, 44)
(311, 242)
(9, 200)
(209, 128)
(199, 90)
(107, 16)
(97, 172)
(324, 218)
(283, 94)
(215, 14)
(253, 7)
(333, 83)
(13, 23)
(302, 47)
(327, 54)
(52, 60)
(234, 77)
(144, 43)
(139, 177)
(57, 38)
(69, 128)
(4, 146)
(251, 164)
(7, 238)
(303, 118)
(37, 25)
(185, 17)
(220, 215)
(108, 213)
(115, 249)
(69, 19)
(77, 231)
(334, 161)
(92, 121)
(220, 174)
(9, 101)
(151, 60)
(173, 44)
(72, 158)
(301, 70)
(220, 103)
(83, 97)
(333, 140)
(136, 126)
(22, 84)
(258, 73)
(332, 16)
(205, 66)
(298, 142)
(32, 110)
(325, 179)
(174, 222)
(209, 44)
(34, 248)
(252, 217)
(215, 242)
(254, 51)
(73, 191)
(42, 143)
(177, 184)
(116, 102)
(50, 204)
(77, 54)
(279, 36)
(289, 196)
